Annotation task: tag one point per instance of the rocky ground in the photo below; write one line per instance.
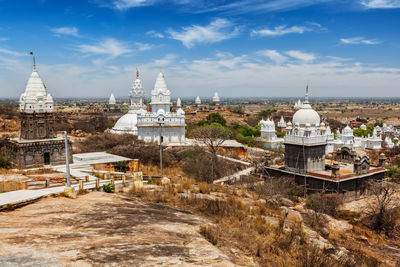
(103, 229)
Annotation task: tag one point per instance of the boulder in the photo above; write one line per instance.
(286, 202)
(274, 222)
(314, 238)
(292, 221)
(324, 232)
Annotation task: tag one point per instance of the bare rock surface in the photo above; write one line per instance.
(100, 229)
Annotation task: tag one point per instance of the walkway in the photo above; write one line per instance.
(22, 196)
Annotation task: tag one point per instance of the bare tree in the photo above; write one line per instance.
(211, 136)
(381, 210)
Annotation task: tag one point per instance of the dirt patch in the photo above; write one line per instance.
(103, 229)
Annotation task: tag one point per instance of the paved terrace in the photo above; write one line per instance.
(79, 169)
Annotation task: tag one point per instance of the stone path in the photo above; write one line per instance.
(22, 196)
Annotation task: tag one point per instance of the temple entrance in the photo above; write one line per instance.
(46, 156)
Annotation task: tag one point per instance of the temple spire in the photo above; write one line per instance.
(306, 97)
(137, 73)
(34, 61)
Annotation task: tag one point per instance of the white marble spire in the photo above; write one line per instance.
(35, 99)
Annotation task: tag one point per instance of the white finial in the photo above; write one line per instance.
(306, 98)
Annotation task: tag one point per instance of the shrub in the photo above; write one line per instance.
(324, 203)
(210, 233)
(108, 188)
(204, 188)
(5, 162)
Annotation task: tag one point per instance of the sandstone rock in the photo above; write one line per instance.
(314, 238)
(337, 225)
(286, 202)
(274, 222)
(325, 232)
(293, 221)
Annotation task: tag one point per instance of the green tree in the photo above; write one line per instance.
(5, 162)
(216, 117)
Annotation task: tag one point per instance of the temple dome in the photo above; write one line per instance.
(306, 115)
(198, 100)
(215, 97)
(126, 124)
(347, 130)
(111, 100)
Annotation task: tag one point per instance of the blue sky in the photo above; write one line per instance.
(88, 48)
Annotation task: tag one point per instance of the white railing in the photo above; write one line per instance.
(305, 139)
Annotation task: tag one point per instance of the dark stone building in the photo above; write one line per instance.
(37, 145)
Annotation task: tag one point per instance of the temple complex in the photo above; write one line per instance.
(37, 144)
(161, 121)
(268, 134)
(307, 141)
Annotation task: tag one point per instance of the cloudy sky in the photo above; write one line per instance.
(268, 48)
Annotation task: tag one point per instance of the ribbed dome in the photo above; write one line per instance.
(306, 115)
(126, 124)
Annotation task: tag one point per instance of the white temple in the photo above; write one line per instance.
(197, 101)
(298, 105)
(35, 99)
(111, 100)
(268, 134)
(216, 99)
(347, 138)
(179, 102)
(127, 124)
(282, 124)
(305, 143)
(172, 125)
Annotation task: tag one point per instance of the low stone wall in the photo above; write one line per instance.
(316, 184)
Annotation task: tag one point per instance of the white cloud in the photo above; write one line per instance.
(274, 55)
(283, 29)
(155, 34)
(3, 39)
(359, 40)
(109, 47)
(216, 31)
(126, 4)
(247, 75)
(302, 56)
(143, 46)
(11, 52)
(381, 3)
(71, 31)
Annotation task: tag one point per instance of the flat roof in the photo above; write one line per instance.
(97, 158)
(323, 175)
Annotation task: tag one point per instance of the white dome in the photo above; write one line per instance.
(126, 124)
(197, 101)
(111, 100)
(306, 115)
(347, 131)
(180, 112)
(215, 97)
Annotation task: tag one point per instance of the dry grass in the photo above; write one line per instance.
(7, 186)
(154, 170)
(204, 188)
